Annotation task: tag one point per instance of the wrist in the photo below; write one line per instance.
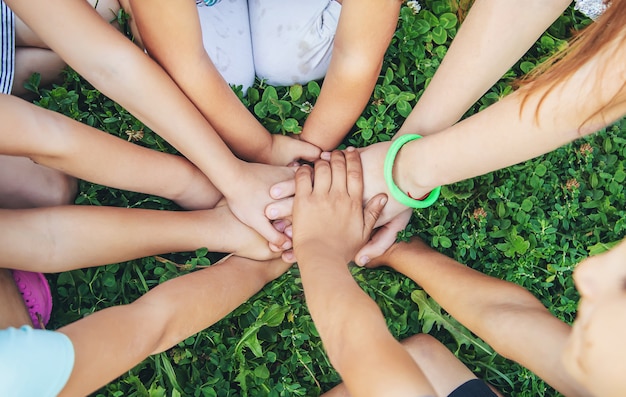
(317, 258)
(228, 174)
(399, 179)
(264, 152)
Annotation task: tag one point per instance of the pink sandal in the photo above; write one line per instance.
(36, 294)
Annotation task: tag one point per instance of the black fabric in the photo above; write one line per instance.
(473, 388)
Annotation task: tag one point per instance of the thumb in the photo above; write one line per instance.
(372, 211)
(277, 240)
(384, 238)
(308, 151)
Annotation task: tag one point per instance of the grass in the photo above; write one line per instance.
(529, 224)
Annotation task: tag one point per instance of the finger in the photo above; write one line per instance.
(372, 211)
(281, 225)
(323, 177)
(338, 171)
(289, 231)
(288, 256)
(274, 248)
(277, 240)
(382, 239)
(283, 189)
(354, 173)
(304, 181)
(309, 151)
(279, 209)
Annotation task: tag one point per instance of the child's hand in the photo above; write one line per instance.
(328, 215)
(410, 251)
(249, 195)
(394, 218)
(238, 238)
(286, 150)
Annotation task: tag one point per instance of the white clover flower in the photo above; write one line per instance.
(591, 8)
(306, 107)
(414, 5)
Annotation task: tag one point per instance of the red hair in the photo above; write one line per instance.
(609, 29)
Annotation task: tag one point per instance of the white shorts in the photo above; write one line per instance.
(283, 42)
(7, 48)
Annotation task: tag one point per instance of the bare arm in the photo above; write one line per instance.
(363, 34)
(56, 141)
(503, 134)
(354, 332)
(82, 236)
(164, 316)
(505, 315)
(172, 35)
(123, 72)
(488, 43)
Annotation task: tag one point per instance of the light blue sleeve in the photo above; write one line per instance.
(34, 362)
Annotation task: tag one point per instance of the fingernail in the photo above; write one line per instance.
(287, 245)
(274, 248)
(279, 225)
(350, 149)
(325, 156)
(289, 232)
(383, 200)
(273, 213)
(276, 192)
(364, 260)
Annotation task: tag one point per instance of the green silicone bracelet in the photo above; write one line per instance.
(398, 194)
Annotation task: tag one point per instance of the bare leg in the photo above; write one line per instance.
(13, 312)
(442, 369)
(32, 55)
(24, 184)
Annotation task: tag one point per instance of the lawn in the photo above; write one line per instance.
(529, 224)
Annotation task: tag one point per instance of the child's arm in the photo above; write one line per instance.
(487, 44)
(172, 35)
(120, 70)
(329, 226)
(72, 236)
(507, 133)
(56, 141)
(364, 31)
(460, 80)
(504, 314)
(111, 341)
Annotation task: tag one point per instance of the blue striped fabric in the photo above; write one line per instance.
(7, 48)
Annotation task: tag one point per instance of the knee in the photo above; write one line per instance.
(56, 189)
(63, 190)
(423, 346)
